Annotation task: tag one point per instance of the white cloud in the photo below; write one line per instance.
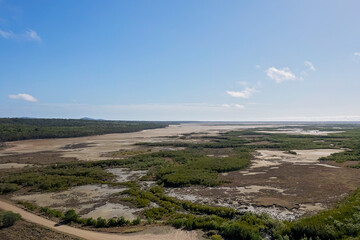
(6, 35)
(29, 35)
(23, 96)
(310, 66)
(357, 54)
(233, 106)
(226, 105)
(246, 93)
(239, 106)
(281, 75)
(257, 66)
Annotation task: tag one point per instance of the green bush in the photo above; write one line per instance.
(71, 216)
(100, 222)
(8, 188)
(27, 205)
(136, 221)
(216, 237)
(90, 222)
(8, 219)
(51, 212)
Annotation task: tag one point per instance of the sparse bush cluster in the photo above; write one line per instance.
(27, 205)
(8, 219)
(71, 216)
(55, 178)
(51, 212)
(8, 188)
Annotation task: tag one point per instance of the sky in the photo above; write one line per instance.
(182, 60)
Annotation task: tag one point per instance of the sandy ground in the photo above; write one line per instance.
(97, 146)
(171, 233)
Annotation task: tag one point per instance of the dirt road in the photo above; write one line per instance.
(173, 234)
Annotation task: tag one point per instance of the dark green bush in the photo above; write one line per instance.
(51, 212)
(136, 221)
(100, 222)
(27, 205)
(71, 216)
(8, 188)
(8, 219)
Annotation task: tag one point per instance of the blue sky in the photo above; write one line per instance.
(180, 60)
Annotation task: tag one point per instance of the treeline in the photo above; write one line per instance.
(12, 129)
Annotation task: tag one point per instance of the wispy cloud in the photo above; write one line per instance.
(310, 65)
(357, 54)
(246, 93)
(29, 35)
(233, 106)
(23, 96)
(281, 75)
(6, 35)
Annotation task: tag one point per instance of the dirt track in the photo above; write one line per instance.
(173, 234)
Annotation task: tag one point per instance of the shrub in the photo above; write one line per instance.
(8, 188)
(8, 219)
(90, 222)
(100, 222)
(27, 205)
(112, 222)
(136, 221)
(216, 237)
(51, 212)
(121, 221)
(71, 216)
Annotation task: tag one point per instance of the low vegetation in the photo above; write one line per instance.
(54, 178)
(342, 222)
(8, 219)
